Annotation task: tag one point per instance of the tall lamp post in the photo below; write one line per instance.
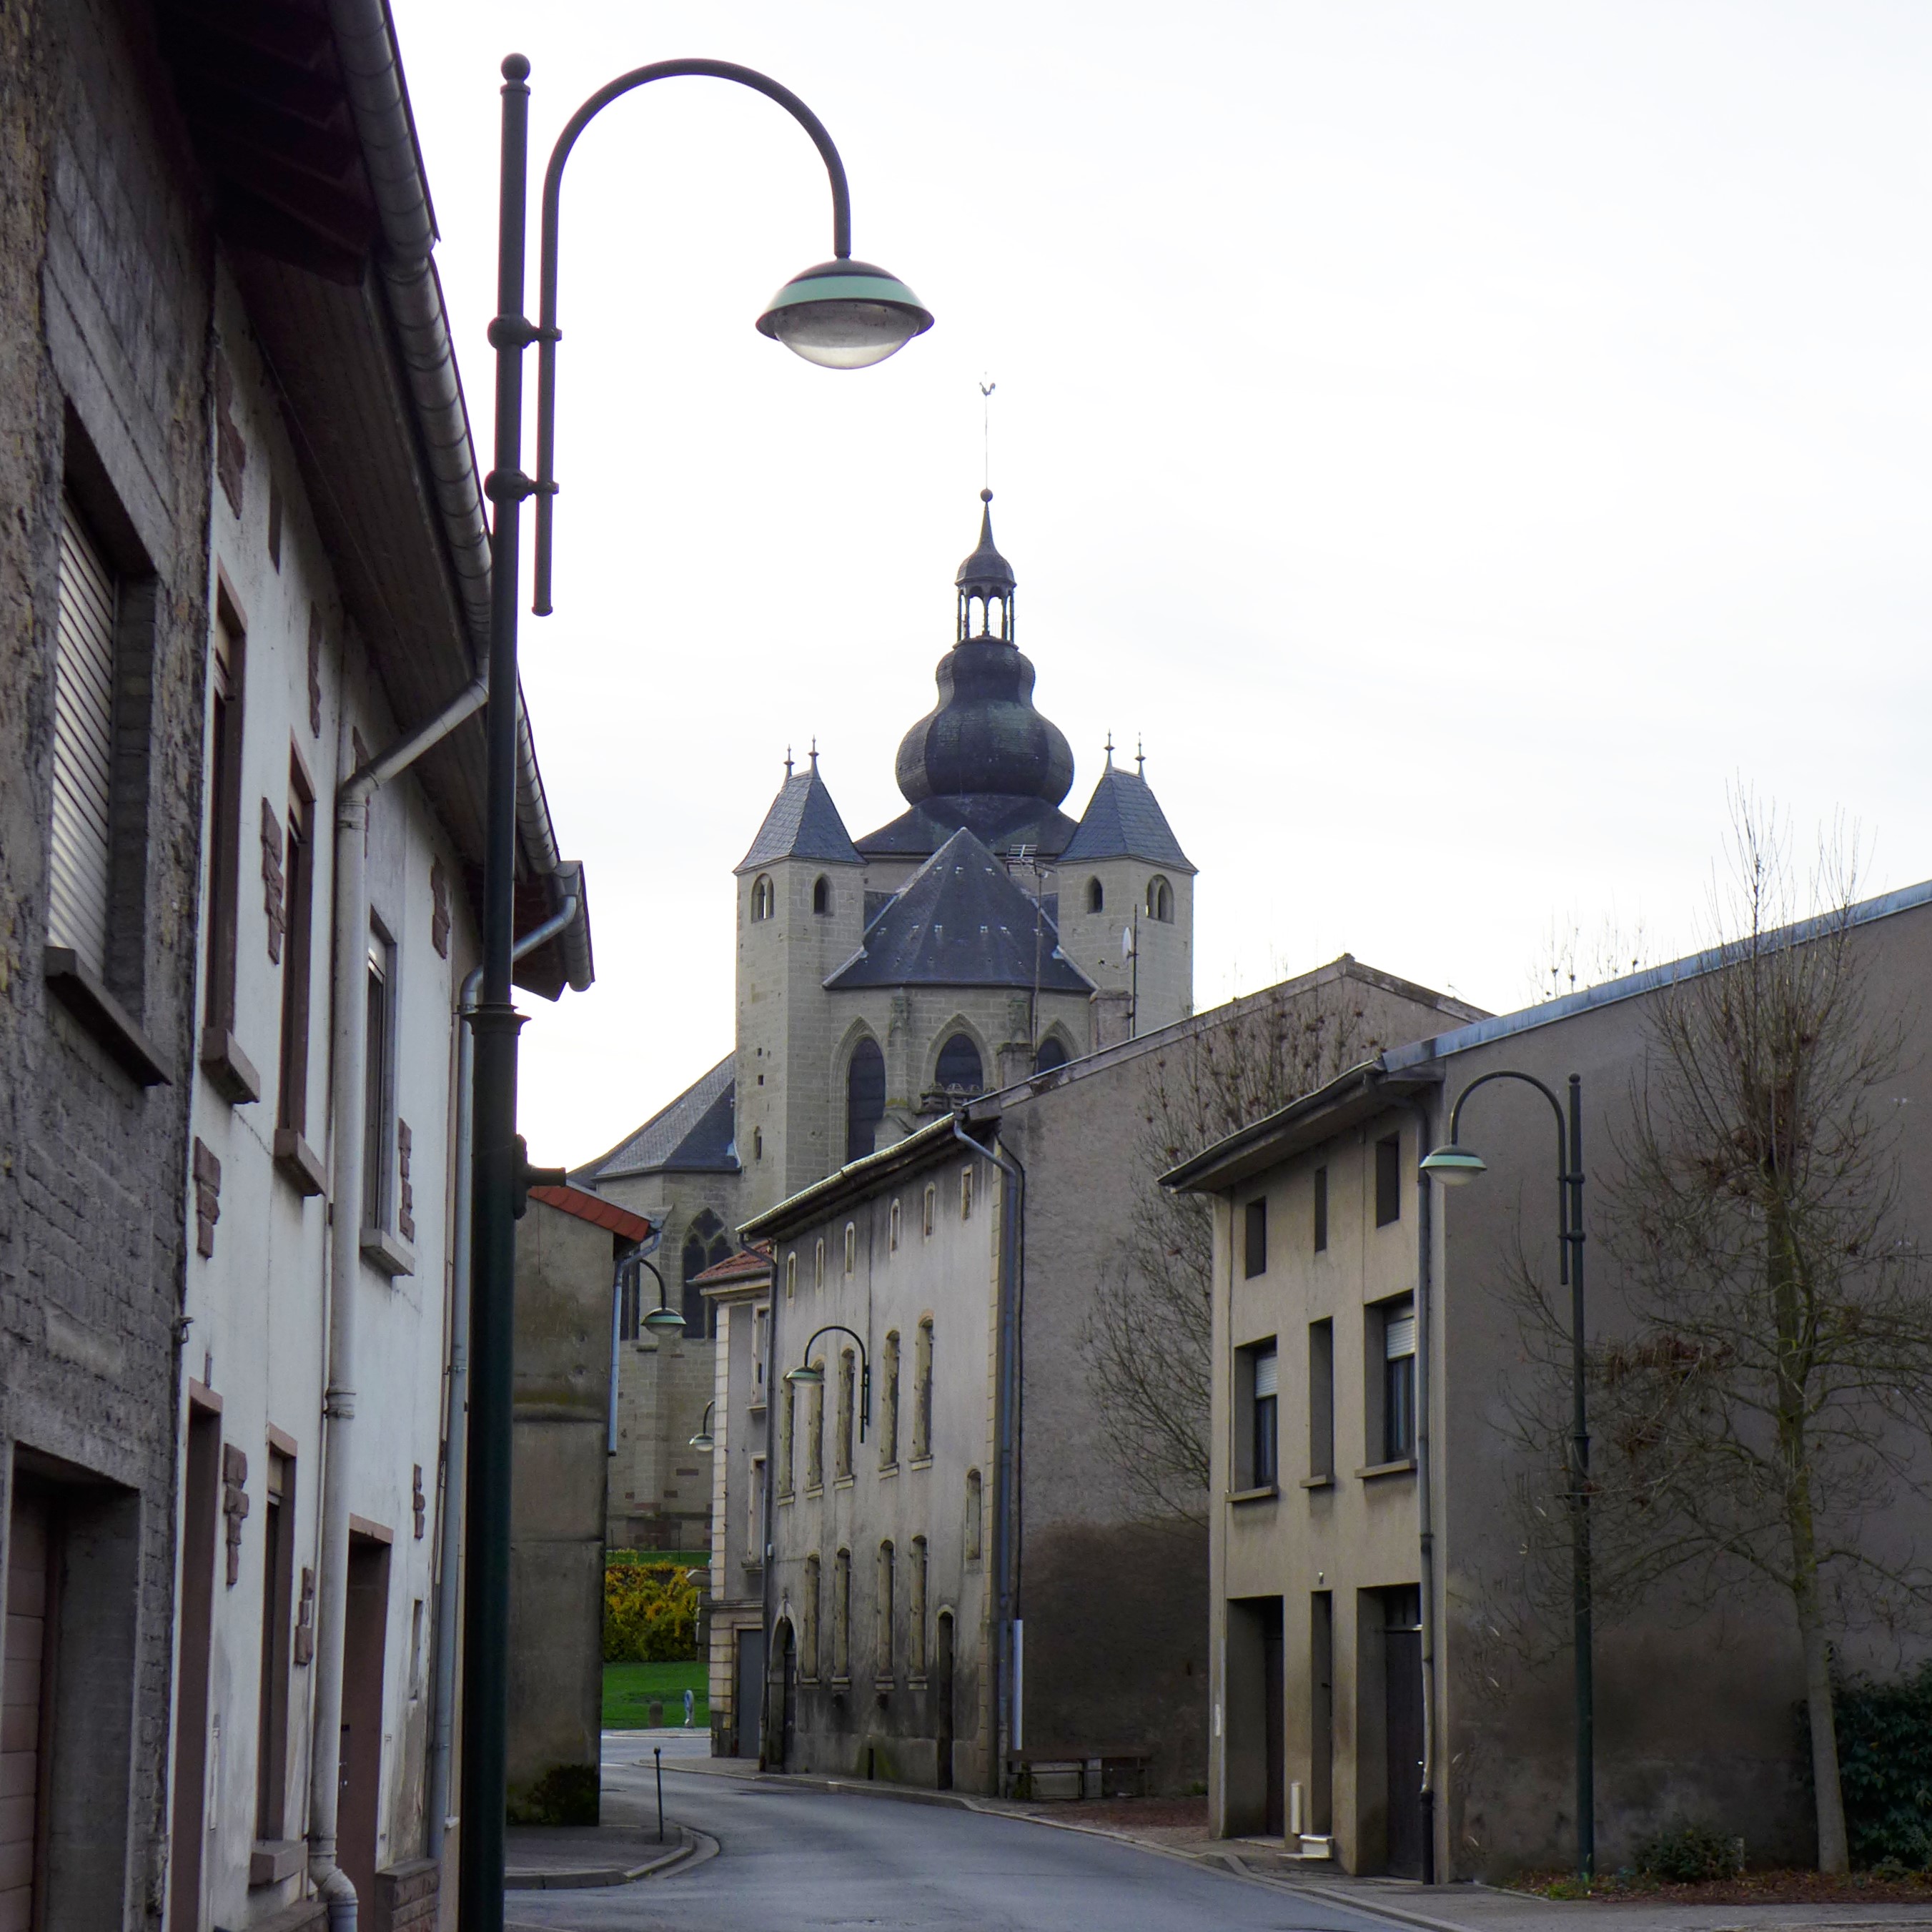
(809, 1375)
(841, 314)
(1453, 1164)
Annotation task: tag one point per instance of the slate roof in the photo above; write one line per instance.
(997, 820)
(1124, 820)
(694, 1135)
(960, 921)
(803, 823)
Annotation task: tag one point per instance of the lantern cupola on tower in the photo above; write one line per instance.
(986, 586)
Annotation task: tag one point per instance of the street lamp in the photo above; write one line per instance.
(702, 1439)
(663, 1319)
(1453, 1165)
(841, 314)
(809, 1375)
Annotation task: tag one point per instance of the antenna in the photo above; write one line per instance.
(986, 389)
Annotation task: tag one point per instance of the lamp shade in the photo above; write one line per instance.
(807, 1374)
(662, 1320)
(702, 1440)
(1453, 1166)
(845, 315)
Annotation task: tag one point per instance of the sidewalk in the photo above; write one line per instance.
(625, 1847)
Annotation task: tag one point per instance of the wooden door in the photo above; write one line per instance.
(1402, 1653)
(942, 1729)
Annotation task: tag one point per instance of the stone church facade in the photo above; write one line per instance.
(982, 936)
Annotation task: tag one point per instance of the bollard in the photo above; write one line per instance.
(657, 1752)
(654, 1713)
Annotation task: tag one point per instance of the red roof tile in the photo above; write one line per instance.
(594, 1208)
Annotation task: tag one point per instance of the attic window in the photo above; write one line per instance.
(764, 900)
(1096, 896)
(1160, 900)
(821, 895)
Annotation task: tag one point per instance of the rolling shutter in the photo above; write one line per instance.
(1268, 1367)
(1400, 1334)
(83, 744)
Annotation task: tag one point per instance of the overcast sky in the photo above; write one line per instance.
(1462, 439)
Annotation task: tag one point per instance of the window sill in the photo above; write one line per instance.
(921, 1462)
(298, 1164)
(883, 1685)
(1318, 1482)
(388, 1253)
(103, 1018)
(1266, 1493)
(272, 1860)
(756, 1408)
(1403, 1466)
(813, 1490)
(844, 1482)
(230, 1072)
(888, 1469)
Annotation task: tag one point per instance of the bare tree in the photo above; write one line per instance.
(1148, 1338)
(1770, 1388)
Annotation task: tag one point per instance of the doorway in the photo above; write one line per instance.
(942, 1726)
(32, 1618)
(1321, 1714)
(1253, 1772)
(199, 1516)
(748, 1702)
(1401, 1664)
(788, 1698)
(365, 1642)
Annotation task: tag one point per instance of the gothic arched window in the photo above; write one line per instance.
(706, 1244)
(865, 1098)
(960, 1071)
(1160, 900)
(1051, 1054)
(821, 895)
(1096, 896)
(764, 900)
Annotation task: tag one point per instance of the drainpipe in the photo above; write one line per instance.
(1424, 1476)
(349, 1018)
(456, 1395)
(1008, 1689)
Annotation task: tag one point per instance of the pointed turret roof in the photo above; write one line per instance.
(1124, 820)
(960, 921)
(803, 823)
(985, 572)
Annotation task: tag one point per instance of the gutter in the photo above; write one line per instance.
(1425, 1472)
(347, 1076)
(1008, 1688)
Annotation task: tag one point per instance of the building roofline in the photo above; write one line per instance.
(854, 1181)
(595, 1209)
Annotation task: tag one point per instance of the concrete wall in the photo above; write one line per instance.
(564, 1270)
(104, 306)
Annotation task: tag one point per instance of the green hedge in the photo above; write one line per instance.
(1885, 1765)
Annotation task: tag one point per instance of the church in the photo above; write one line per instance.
(980, 938)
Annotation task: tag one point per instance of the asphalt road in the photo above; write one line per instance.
(806, 1861)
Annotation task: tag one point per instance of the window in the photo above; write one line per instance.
(83, 744)
(1398, 1351)
(1255, 1247)
(757, 1143)
(847, 1377)
(921, 1399)
(297, 894)
(851, 1247)
(892, 1229)
(865, 1098)
(1388, 1180)
(975, 1514)
(1320, 1210)
(1257, 1440)
(965, 1194)
(791, 1274)
(1096, 896)
(1051, 1054)
(818, 1263)
(1160, 900)
(885, 1607)
(754, 1527)
(224, 837)
(271, 1734)
(889, 1429)
(379, 1085)
(706, 1244)
(821, 895)
(808, 1659)
(842, 1618)
(764, 901)
(916, 1610)
(627, 1305)
(1320, 1400)
(761, 1335)
(931, 1203)
(959, 1070)
(814, 1441)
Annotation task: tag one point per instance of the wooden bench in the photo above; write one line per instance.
(1085, 1772)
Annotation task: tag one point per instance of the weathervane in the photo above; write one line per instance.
(986, 389)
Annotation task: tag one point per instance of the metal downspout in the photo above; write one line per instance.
(348, 1023)
(456, 1399)
(1007, 1690)
(1425, 1471)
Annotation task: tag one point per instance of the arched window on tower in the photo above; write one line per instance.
(1160, 900)
(764, 900)
(706, 1244)
(865, 1098)
(1051, 1054)
(960, 1071)
(821, 895)
(1096, 896)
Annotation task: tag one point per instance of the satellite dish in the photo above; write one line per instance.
(1126, 942)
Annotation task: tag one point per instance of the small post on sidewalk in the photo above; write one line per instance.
(657, 1752)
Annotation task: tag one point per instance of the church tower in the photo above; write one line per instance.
(801, 913)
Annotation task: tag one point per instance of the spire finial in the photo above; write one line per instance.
(787, 761)
(1110, 751)
(1140, 754)
(814, 751)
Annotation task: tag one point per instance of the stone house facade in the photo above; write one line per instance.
(1388, 1686)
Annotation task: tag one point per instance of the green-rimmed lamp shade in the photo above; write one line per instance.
(664, 1322)
(702, 1440)
(808, 1375)
(845, 315)
(1453, 1166)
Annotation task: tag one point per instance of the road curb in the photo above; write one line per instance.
(693, 1847)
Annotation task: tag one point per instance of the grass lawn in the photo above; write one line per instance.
(628, 1689)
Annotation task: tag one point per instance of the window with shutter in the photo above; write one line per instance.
(83, 744)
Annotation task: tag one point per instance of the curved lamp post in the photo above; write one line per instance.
(841, 314)
(1453, 1165)
(809, 1375)
(663, 1319)
(702, 1439)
